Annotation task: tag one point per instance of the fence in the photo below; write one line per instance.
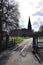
(37, 43)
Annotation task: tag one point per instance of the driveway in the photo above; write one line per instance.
(22, 55)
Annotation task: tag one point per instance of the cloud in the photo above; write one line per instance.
(34, 9)
(21, 24)
(40, 13)
(37, 24)
(41, 3)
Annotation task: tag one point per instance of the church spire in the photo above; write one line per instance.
(29, 25)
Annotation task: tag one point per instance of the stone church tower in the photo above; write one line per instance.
(29, 25)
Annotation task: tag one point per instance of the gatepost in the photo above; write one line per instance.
(35, 46)
(7, 40)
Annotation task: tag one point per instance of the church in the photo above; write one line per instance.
(29, 25)
(23, 32)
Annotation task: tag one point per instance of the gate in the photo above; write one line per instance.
(38, 48)
(37, 44)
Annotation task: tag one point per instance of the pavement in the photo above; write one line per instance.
(21, 55)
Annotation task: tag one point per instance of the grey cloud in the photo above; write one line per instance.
(31, 3)
(40, 12)
(41, 3)
(37, 23)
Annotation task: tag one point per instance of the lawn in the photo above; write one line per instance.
(17, 39)
(27, 37)
(12, 39)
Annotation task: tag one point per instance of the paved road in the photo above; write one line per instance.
(21, 55)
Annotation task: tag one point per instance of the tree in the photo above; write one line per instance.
(9, 15)
(1, 17)
(12, 15)
(41, 28)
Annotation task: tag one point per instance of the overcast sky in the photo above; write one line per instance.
(32, 8)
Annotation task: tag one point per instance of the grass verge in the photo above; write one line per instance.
(17, 39)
